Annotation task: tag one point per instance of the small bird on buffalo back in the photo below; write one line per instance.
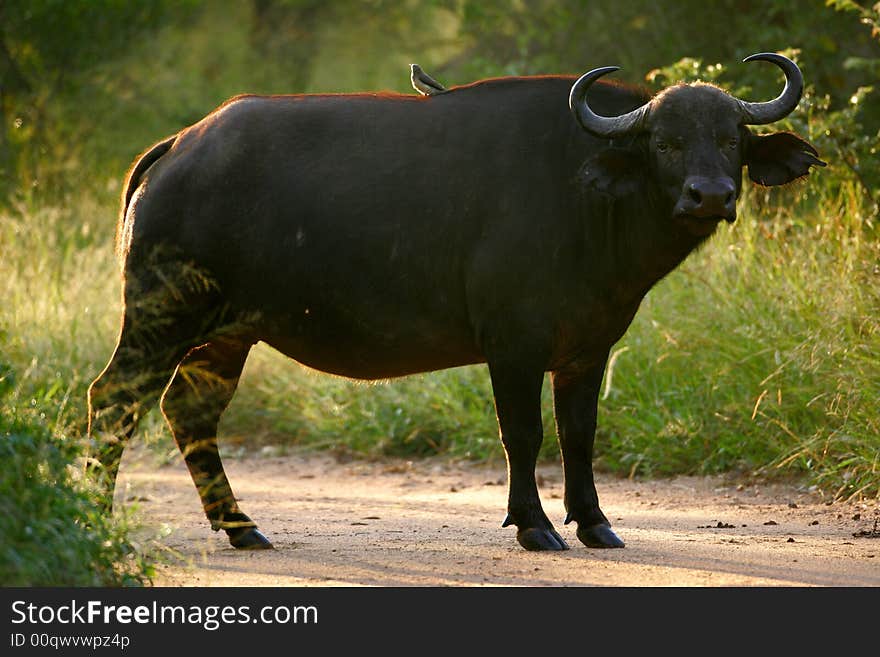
(424, 83)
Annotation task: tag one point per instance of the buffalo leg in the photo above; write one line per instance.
(121, 395)
(193, 403)
(575, 399)
(518, 406)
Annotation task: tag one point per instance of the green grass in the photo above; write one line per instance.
(761, 354)
(449, 412)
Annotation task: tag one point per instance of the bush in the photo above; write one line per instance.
(53, 533)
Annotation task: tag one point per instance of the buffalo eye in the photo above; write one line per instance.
(662, 147)
(732, 143)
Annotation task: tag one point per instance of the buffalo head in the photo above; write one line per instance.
(691, 141)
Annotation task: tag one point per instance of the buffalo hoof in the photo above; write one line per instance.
(540, 539)
(599, 536)
(249, 538)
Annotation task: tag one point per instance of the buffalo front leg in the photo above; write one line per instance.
(575, 400)
(200, 391)
(518, 406)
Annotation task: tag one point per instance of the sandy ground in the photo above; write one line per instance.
(437, 523)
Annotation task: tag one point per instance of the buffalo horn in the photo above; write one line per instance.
(784, 104)
(602, 126)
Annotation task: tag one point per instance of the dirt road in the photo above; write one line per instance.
(435, 523)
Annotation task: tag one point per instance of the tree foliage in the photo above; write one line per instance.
(47, 49)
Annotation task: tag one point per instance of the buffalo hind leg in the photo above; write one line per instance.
(193, 403)
(121, 395)
(575, 400)
(518, 406)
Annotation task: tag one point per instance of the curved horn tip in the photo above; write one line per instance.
(785, 103)
(767, 57)
(586, 80)
(597, 73)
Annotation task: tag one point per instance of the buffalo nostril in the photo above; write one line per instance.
(694, 194)
(728, 200)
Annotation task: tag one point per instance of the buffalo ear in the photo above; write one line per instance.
(612, 171)
(779, 158)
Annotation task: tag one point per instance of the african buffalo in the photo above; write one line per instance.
(516, 222)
